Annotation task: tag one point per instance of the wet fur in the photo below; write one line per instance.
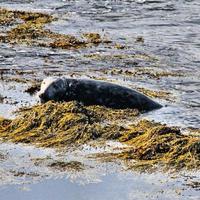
(92, 92)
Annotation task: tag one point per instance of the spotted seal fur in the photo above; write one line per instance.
(92, 92)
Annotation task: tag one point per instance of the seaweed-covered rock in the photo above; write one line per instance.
(61, 125)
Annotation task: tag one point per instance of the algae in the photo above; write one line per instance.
(29, 28)
(194, 184)
(97, 56)
(7, 18)
(156, 94)
(66, 42)
(138, 72)
(161, 144)
(140, 39)
(67, 166)
(35, 87)
(24, 174)
(1, 98)
(95, 38)
(119, 46)
(61, 125)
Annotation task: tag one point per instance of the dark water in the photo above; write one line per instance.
(170, 29)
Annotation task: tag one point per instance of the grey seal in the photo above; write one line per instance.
(93, 92)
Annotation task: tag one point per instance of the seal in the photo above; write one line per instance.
(92, 92)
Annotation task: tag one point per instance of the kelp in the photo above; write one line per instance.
(161, 94)
(95, 38)
(29, 28)
(61, 125)
(67, 166)
(98, 56)
(155, 143)
(152, 73)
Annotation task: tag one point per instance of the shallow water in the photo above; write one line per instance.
(26, 173)
(170, 29)
(127, 187)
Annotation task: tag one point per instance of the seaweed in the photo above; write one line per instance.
(1, 98)
(156, 94)
(138, 72)
(29, 28)
(67, 166)
(60, 125)
(33, 88)
(95, 38)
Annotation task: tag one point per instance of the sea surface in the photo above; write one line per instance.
(170, 30)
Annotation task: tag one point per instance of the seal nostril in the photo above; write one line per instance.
(41, 95)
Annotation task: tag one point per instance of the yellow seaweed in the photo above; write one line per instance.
(61, 125)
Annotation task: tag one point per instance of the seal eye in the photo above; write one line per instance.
(56, 87)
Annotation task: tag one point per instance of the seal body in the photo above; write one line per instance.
(92, 92)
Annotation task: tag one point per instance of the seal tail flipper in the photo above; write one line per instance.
(147, 104)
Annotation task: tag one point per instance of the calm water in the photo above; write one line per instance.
(171, 35)
(22, 179)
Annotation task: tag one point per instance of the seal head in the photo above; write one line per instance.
(52, 89)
